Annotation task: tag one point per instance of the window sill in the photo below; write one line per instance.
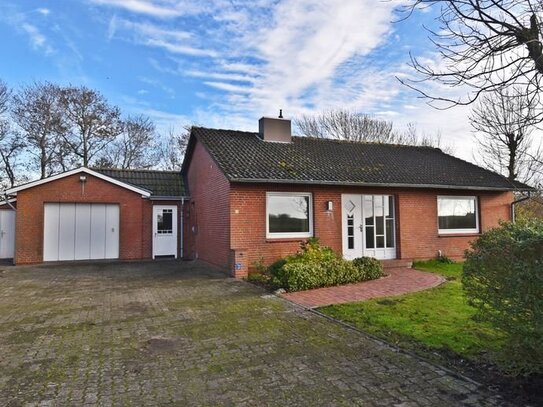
(285, 239)
(469, 234)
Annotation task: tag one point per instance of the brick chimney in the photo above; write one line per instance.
(275, 129)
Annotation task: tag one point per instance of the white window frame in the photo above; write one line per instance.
(287, 235)
(459, 231)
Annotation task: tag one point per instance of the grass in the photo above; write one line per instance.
(438, 319)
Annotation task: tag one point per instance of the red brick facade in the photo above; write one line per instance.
(233, 217)
(207, 215)
(416, 224)
(135, 234)
(225, 223)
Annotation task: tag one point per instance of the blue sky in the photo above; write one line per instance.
(225, 63)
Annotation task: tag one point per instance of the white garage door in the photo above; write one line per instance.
(77, 231)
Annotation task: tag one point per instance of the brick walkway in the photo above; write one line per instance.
(178, 333)
(399, 281)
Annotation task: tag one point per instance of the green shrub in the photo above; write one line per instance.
(503, 279)
(368, 267)
(319, 266)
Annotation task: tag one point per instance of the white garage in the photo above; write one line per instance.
(80, 231)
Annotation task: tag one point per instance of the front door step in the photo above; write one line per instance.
(389, 264)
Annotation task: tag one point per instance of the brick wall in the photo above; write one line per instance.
(207, 215)
(134, 215)
(416, 223)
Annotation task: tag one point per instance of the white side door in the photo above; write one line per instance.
(165, 230)
(7, 233)
(351, 209)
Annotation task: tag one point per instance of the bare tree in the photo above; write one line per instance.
(92, 122)
(484, 45)
(37, 114)
(173, 148)
(504, 122)
(5, 96)
(135, 147)
(346, 125)
(11, 147)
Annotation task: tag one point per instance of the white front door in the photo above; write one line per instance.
(368, 226)
(7, 233)
(164, 230)
(80, 231)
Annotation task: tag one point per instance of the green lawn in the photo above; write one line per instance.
(436, 319)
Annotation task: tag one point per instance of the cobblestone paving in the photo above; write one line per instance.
(182, 334)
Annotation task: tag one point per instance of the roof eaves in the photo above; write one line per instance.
(374, 184)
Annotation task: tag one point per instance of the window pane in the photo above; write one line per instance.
(369, 238)
(165, 221)
(390, 212)
(288, 214)
(350, 231)
(390, 233)
(368, 209)
(380, 242)
(457, 213)
(380, 223)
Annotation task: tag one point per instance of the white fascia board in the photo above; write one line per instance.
(143, 192)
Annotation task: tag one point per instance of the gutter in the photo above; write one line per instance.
(364, 184)
(167, 198)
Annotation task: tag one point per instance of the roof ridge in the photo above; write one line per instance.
(229, 130)
(321, 139)
(134, 170)
(376, 143)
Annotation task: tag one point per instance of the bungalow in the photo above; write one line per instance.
(243, 197)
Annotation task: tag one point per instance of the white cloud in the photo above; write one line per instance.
(303, 56)
(172, 40)
(43, 11)
(162, 9)
(38, 41)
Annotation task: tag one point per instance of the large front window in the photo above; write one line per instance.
(289, 215)
(457, 214)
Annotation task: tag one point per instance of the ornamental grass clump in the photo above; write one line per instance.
(503, 280)
(317, 266)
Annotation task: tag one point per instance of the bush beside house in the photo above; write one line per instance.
(503, 280)
(316, 266)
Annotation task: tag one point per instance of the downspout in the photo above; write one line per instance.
(6, 199)
(513, 206)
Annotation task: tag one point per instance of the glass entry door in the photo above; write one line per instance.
(369, 226)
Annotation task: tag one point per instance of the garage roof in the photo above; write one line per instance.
(143, 191)
(161, 184)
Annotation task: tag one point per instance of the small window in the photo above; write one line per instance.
(165, 222)
(457, 214)
(289, 215)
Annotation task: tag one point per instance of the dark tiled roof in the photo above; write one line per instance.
(245, 157)
(159, 183)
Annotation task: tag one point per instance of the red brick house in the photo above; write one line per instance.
(258, 195)
(242, 197)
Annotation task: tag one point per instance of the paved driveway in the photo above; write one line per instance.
(181, 333)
